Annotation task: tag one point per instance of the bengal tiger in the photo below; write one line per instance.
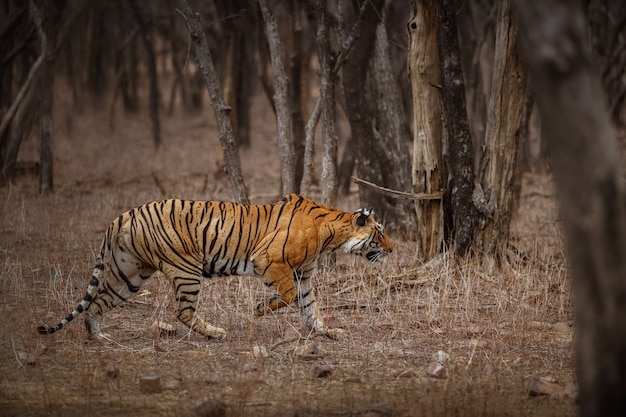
(187, 240)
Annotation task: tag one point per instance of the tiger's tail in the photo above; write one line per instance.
(87, 299)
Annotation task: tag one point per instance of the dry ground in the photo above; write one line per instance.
(499, 328)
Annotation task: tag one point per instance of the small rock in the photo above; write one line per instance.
(441, 356)
(474, 330)
(322, 371)
(436, 370)
(112, 371)
(561, 327)
(212, 379)
(477, 343)
(27, 358)
(543, 386)
(260, 352)
(308, 349)
(291, 333)
(209, 407)
(571, 391)
(171, 384)
(246, 363)
(396, 352)
(150, 384)
(539, 325)
(378, 410)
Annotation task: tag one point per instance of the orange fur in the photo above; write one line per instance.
(187, 240)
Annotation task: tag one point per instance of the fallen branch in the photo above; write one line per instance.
(398, 194)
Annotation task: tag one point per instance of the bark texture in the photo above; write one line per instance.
(494, 194)
(461, 151)
(428, 173)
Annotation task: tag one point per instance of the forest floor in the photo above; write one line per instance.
(497, 332)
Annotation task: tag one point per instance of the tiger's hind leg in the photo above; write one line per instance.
(187, 292)
(124, 277)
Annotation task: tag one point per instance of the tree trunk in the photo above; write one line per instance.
(281, 100)
(358, 110)
(46, 84)
(428, 168)
(461, 157)
(585, 161)
(607, 21)
(389, 128)
(18, 119)
(207, 69)
(146, 38)
(296, 71)
(327, 101)
(494, 198)
(476, 25)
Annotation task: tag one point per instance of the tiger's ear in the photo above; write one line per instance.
(362, 215)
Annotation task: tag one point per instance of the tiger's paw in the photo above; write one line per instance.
(216, 333)
(101, 337)
(334, 334)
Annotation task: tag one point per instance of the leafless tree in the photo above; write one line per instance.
(281, 100)
(207, 68)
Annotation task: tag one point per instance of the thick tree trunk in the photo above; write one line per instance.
(281, 100)
(495, 196)
(428, 168)
(461, 157)
(585, 161)
(207, 69)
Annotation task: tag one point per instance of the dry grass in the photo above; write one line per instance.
(498, 327)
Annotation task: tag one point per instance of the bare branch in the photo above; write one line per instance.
(398, 194)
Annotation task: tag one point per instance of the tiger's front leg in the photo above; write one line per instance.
(293, 285)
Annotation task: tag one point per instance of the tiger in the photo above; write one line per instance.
(189, 240)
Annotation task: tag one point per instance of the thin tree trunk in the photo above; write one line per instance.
(340, 59)
(17, 120)
(461, 157)
(281, 99)
(428, 168)
(585, 161)
(207, 69)
(494, 198)
(327, 96)
(359, 113)
(152, 73)
(389, 129)
(308, 172)
(296, 70)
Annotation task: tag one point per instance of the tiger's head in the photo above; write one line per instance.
(367, 237)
